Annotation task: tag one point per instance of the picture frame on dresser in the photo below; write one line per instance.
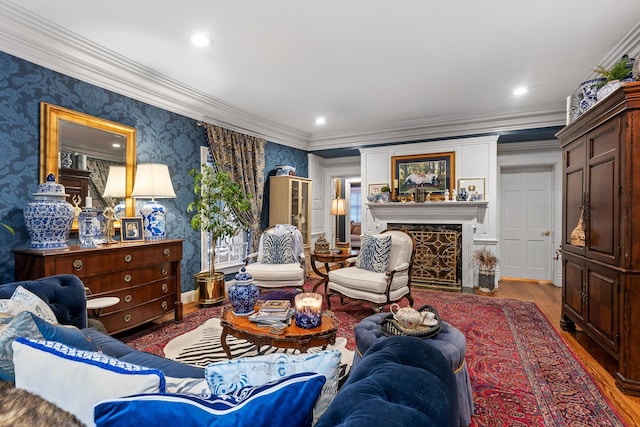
(433, 172)
(131, 229)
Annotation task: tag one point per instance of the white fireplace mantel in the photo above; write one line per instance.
(428, 211)
(468, 214)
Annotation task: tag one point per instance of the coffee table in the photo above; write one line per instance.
(292, 337)
(331, 258)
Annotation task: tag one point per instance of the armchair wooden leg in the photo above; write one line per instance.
(410, 298)
(329, 301)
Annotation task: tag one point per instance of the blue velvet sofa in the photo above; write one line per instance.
(400, 381)
(66, 296)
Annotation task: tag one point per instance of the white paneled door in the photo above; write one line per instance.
(526, 223)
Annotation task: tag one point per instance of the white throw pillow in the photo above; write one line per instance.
(75, 380)
(24, 300)
(231, 375)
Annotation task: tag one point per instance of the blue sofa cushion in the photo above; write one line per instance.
(286, 402)
(400, 378)
(64, 293)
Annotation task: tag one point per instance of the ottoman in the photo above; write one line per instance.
(450, 342)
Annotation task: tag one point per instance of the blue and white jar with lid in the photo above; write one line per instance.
(49, 217)
(243, 294)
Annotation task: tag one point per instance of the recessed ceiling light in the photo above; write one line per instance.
(200, 40)
(320, 121)
(520, 91)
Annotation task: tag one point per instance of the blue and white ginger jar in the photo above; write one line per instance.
(49, 217)
(243, 293)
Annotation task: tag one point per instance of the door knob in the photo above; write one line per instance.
(546, 233)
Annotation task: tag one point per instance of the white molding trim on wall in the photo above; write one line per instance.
(40, 41)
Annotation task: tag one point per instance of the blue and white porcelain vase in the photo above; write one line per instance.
(243, 293)
(86, 228)
(49, 217)
(154, 221)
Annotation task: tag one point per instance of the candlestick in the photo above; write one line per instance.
(308, 310)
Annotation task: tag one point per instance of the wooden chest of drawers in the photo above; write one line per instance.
(145, 276)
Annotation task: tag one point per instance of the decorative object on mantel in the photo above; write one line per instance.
(49, 217)
(473, 189)
(433, 172)
(486, 261)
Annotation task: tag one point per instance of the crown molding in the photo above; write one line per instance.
(35, 39)
(42, 42)
(444, 127)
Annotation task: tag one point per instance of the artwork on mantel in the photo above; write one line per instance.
(472, 189)
(434, 173)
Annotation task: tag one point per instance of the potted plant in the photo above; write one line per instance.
(217, 206)
(385, 191)
(486, 261)
(619, 71)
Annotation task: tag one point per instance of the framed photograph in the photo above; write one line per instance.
(475, 188)
(375, 188)
(433, 172)
(131, 229)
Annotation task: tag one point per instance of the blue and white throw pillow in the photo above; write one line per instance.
(277, 249)
(75, 380)
(229, 376)
(374, 252)
(285, 402)
(22, 325)
(25, 300)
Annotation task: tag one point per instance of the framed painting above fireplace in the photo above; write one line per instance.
(433, 172)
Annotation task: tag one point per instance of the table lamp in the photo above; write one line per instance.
(116, 189)
(153, 181)
(338, 208)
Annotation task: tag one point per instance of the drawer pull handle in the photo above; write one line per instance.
(127, 278)
(166, 252)
(128, 298)
(165, 270)
(165, 287)
(164, 305)
(77, 264)
(128, 258)
(127, 318)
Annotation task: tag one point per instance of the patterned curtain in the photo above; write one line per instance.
(242, 156)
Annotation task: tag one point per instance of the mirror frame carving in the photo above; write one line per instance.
(50, 116)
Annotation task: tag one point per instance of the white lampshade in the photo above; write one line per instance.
(153, 181)
(116, 186)
(338, 207)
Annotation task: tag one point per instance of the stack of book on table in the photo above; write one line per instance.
(273, 312)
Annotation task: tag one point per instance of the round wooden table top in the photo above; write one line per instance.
(242, 323)
(333, 257)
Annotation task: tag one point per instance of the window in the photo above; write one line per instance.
(230, 251)
(355, 204)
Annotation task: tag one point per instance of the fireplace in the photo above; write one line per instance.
(438, 259)
(446, 237)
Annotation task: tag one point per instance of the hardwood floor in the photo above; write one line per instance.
(598, 363)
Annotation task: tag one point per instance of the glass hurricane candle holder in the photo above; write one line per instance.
(308, 310)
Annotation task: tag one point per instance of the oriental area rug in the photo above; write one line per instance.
(522, 372)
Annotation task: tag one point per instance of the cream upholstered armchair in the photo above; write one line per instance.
(280, 261)
(382, 270)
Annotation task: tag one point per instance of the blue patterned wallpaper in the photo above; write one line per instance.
(162, 137)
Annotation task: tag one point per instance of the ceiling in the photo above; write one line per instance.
(378, 71)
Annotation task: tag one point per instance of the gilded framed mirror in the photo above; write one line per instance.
(74, 146)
